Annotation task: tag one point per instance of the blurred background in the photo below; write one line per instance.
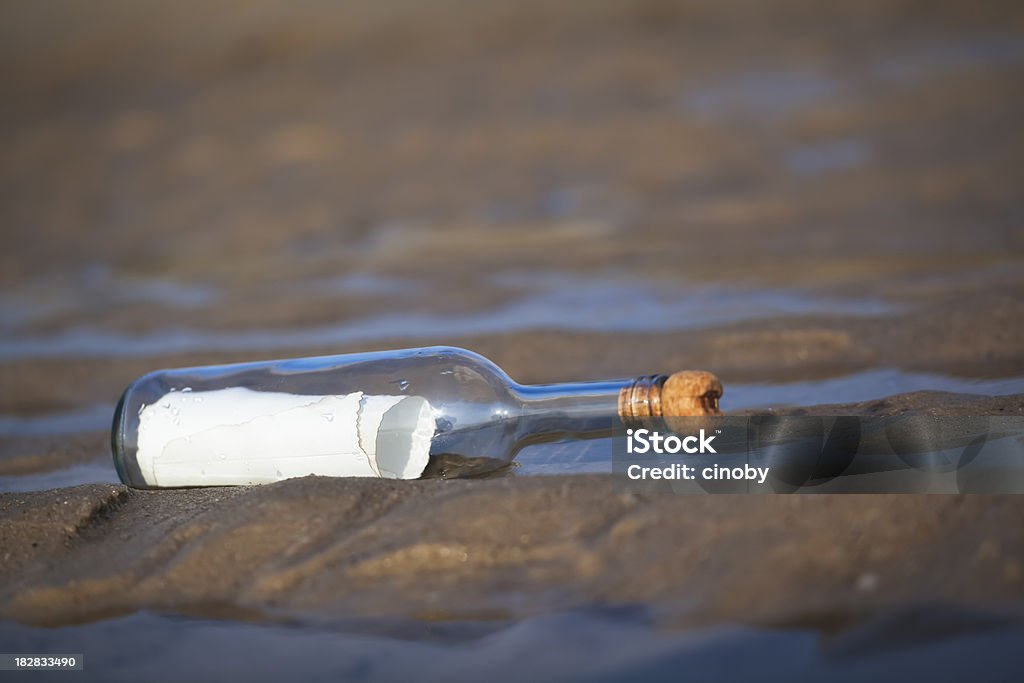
(821, 202)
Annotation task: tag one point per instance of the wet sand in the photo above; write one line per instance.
(501, 548)
(508, 547)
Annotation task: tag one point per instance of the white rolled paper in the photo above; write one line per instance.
(239, 436)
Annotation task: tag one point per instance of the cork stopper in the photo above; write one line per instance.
(690, 393)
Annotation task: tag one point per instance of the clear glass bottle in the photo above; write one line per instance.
(438, 411)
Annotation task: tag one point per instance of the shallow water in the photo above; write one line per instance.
(93, 418)
(614, 644)
(548, 301)
(99, 472)
(765, 95)
(94, 287)
(826, 157)
(862, 386)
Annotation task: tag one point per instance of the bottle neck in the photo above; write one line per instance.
(574, 400)
(583, 410)
(547, 413)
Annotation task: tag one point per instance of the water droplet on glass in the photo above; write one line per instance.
(141, 408)
(402, 384)
(278, 473)
(447, 371)
(198, 399)
(167, 404)
(175, 411)
(223, 456)
(328, 416)
(186, 389)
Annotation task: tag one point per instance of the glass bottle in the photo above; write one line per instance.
(438, 411)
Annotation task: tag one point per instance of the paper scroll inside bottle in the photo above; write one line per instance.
(240, 436)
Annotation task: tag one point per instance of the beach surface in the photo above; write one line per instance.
(820, 205)
(500, 548)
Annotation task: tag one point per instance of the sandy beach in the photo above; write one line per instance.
(820, 205)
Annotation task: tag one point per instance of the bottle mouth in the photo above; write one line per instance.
(641, 399)
(687, 393)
